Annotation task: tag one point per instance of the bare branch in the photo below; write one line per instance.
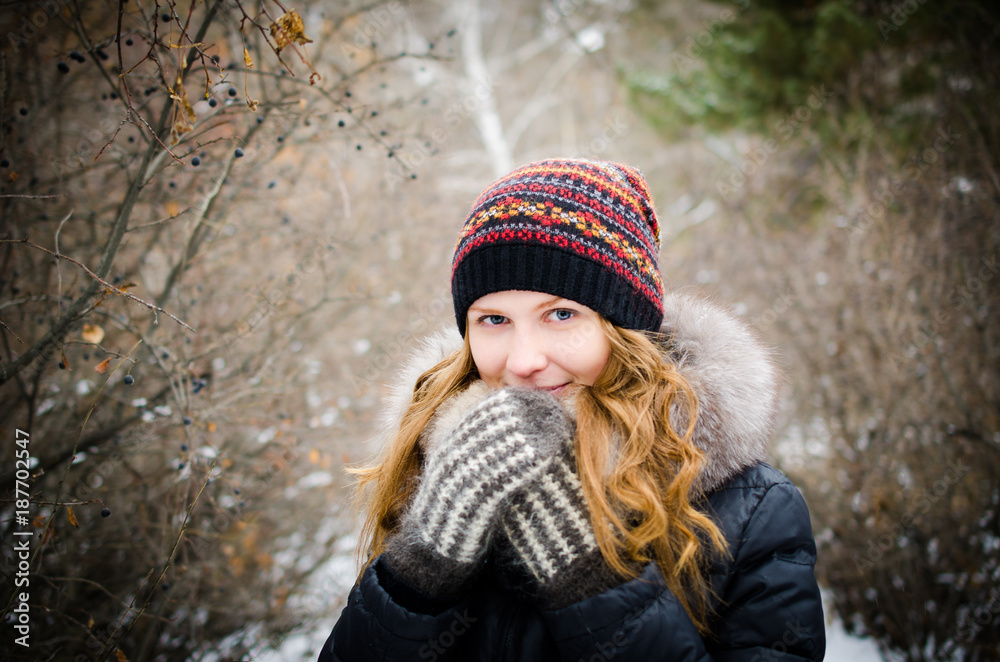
(109, 287)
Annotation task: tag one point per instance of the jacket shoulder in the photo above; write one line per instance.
(769, 569)
(762, 514)
(755, 476)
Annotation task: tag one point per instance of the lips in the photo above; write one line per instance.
(554, 390)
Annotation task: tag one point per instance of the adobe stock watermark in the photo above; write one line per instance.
(612, 647)
(912, 171)
(375, 23)
(440, 644)
(973, 622)
(889, 539)
(453, 117)
(33, 22)
(613, 129)
(694, 46)
(620, 638)
(901, 13)
(270, 297)
(793, 634)
(421, 322)
(579, 338)
(132, 439)
(784, 129)
(562, 9)
(88, 147)
(223, 519)
(780, 305)
(929, 329)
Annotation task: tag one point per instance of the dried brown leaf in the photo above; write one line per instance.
(289, 29)
(185, 104)
(72, 517)
(179, 128)
(102, 367)
(247, 60)
(120, 656)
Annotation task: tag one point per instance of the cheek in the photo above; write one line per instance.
(593, 359)
(489, 361)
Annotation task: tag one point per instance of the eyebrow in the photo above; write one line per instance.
(543, 304)
(550, 302)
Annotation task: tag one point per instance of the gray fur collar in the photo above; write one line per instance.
(732, 373)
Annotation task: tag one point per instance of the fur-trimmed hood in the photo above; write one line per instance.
(731, 372)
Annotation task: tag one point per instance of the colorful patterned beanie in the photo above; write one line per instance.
(581, 230)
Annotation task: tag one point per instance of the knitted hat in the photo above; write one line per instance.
(581, 230)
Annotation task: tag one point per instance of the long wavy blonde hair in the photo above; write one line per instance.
(637, 471)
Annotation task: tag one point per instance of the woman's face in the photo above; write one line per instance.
(536, 340)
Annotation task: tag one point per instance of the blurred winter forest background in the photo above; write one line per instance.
(224, 222)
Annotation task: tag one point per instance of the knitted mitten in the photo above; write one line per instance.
(468, 478)
(548, 528)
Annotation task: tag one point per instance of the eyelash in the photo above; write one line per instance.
(485, 320)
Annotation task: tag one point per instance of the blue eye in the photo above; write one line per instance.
(492, 320)
(563, 314)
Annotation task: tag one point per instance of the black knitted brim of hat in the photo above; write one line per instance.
(538, 268)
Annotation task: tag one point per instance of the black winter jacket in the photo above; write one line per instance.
(767, 604)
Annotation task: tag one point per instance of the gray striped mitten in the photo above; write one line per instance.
(469, 476)
(548, 528)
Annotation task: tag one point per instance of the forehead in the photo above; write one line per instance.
(519, 299)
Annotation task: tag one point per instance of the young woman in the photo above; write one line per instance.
(579, 474)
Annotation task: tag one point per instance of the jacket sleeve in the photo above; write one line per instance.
(374, 626)
(770, 606)
(639, 620)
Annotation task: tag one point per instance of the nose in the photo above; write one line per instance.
(527, 355)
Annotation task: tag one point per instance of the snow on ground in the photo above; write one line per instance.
(335, 580)
(842, 646)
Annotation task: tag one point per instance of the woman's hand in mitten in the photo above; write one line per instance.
(549, 530)
(468, 478)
